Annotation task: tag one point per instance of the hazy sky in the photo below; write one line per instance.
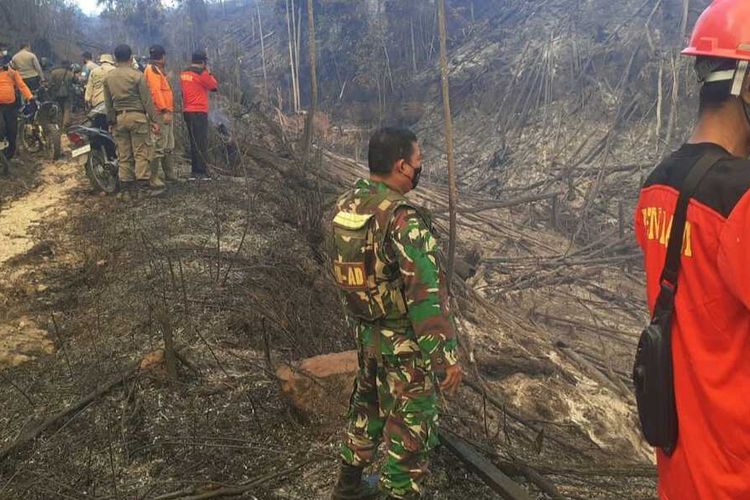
(88, 6)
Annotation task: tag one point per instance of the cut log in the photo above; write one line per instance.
(319, 383)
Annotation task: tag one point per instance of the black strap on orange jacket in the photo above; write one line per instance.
(653, 372)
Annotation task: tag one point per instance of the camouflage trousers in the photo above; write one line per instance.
(397, 404)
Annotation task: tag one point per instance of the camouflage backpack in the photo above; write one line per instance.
(370, 287)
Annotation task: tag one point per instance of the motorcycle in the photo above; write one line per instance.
(38, 129)
(92, 138)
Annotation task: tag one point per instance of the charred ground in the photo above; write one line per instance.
(560, 112)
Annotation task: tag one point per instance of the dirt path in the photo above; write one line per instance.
(19, 217)
(20, 337)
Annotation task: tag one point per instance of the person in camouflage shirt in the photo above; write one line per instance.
(387, 266)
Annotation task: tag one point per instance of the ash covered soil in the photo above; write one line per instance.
(234, 271)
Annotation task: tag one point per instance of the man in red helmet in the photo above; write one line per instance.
(711, 323)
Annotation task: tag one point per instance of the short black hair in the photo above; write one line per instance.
(87, 56)
(156, 52)
(25, 45)
(714, 95)
(199, 56)
(387, 146)
(123, 53)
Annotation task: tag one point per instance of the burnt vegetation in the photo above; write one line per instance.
(182, 308)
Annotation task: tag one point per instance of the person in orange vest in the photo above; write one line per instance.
(196, 82)
(161, 93)
(710, 318)
(10, 82)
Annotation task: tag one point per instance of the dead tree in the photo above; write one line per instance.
(262, 53)
(291, 34)
(309, 129)
(413, 48)
(297, 24)
(452, 188)
(684, 21)
(659, 103)
(671, 122)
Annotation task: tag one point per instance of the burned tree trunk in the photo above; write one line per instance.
(309, 129)
(452, 188)
(263, 54)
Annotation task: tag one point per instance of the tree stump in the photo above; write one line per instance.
(321, 384)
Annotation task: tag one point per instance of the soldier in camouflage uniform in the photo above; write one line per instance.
(388, 270)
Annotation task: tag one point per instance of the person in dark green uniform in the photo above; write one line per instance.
(387, 266)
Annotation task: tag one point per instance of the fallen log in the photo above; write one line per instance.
(490, 474)
(520, 468)
(620, 336)
(32, 434)
(506, 204)
(152, 361)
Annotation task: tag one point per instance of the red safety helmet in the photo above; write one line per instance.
(723, 30)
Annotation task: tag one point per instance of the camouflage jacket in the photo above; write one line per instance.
(387, 266)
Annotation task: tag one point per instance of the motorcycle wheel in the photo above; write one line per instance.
(29, 138)
(53, 142)
(100, 175)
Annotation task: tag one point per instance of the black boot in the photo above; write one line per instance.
(351, 487)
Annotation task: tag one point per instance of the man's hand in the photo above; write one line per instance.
(453, 376)
(167, 117)
(155, 128)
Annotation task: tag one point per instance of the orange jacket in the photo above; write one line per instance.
(196, 83)
(711, 322)
(10, 80)
(161, 91)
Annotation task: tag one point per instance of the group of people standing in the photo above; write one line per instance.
(61, 82)
(138, 106)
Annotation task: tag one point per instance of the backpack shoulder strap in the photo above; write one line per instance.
(697, 172)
